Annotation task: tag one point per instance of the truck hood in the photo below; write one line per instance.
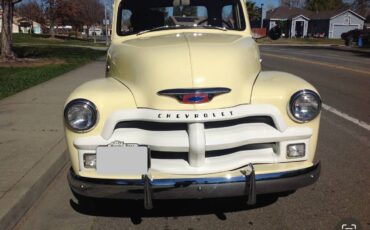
(147, 65)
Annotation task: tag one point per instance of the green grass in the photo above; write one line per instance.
(16, 79)
(302, 41)
(21, 39)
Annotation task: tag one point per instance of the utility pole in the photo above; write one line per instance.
(261, 15)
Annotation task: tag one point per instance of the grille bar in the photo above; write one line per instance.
(215, 153)
(161, 126)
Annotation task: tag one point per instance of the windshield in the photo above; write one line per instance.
(139, 16)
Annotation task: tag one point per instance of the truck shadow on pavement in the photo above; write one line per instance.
(170, 208)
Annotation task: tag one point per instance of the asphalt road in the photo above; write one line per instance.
(343, 191)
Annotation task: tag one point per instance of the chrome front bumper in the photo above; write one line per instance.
(196, 188)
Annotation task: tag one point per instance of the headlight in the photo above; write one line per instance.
(80, 115)
(304, 106)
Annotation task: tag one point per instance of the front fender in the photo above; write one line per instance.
(108, 95)
(276, 88)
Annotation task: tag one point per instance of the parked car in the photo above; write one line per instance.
(352, 36)
(185, 111)
(275, 33)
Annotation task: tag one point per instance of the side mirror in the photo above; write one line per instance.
(275, 33)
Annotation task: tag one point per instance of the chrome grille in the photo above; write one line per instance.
(161, 126)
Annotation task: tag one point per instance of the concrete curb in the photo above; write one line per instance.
(20, 198)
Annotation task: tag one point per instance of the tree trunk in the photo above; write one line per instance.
(6, 31)
(52, 30)
(53, 6)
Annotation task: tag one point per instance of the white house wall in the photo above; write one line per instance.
(15, 27)
(305, 26)
(272, 24)
(37, 28)
(344, 23)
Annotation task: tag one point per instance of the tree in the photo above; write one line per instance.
(31, 10)
(269, 5)
(91, 12)
(322, 5)
(185, 10)
(293, 3)
(51, 7)
(73, 12)
(254, 12)
(364, 3)
(68, 13)
(7, 29)
(362, 7)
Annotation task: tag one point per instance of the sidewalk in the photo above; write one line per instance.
(32, 144)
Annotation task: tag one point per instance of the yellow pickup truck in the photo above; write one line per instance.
(185, 111)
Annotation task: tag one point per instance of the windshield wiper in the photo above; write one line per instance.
(167, 27)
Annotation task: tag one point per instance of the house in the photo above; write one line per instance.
(15, 27)
(23, 25)
(296, 22)
(335, 23)
(28, 26)
(292, 21)
(95, 31)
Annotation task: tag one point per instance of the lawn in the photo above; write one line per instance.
(21, 39)
(15, 79)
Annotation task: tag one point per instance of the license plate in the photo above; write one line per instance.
(117, 160)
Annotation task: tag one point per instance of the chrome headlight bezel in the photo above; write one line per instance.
(85, 104)
(291, 107)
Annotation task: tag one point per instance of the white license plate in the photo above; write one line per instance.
(118, 160)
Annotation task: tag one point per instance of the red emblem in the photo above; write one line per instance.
(195, 98)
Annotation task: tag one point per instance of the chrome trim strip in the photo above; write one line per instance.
(175, 92)
(180, 93)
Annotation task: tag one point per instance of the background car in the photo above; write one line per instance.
(353, 36)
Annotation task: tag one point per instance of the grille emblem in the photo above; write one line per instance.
(194, 96)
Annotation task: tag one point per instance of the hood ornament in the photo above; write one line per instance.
(194, 96)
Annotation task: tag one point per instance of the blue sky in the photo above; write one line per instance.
(267, 2)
